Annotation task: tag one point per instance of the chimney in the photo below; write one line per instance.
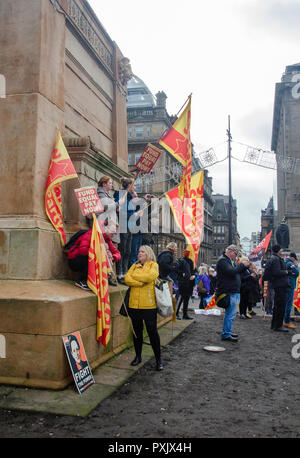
(161, 99)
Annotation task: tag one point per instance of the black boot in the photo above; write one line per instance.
(137, 360)
(159, 365)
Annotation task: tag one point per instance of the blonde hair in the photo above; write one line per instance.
(149, 252)
(171, 246)
(244, 258)
(202, 270)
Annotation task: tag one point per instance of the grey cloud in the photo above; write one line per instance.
(257, 125)
(280, 17)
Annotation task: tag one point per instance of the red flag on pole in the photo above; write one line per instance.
(61, 169)
(177, 141)
(98, 269)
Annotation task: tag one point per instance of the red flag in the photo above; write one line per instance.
(61, 168)
(257, 253)
(188, 214)
(211, 302)
(98, 282)
(177, 141)
(297, 295)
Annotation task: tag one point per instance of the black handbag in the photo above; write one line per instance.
(125, 304)
(222, 300)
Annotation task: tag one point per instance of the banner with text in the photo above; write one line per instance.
(88, 200)
(148, 159)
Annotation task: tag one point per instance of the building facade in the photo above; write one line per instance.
(286, 146)
(246, 246)
(220, 223)
(147, 120)
(268, 218)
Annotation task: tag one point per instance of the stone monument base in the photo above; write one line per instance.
(34, 317)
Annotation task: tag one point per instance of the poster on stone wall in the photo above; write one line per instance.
(88, 200)
(79, 365)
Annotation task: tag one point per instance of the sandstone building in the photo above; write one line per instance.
(148, 119)
(63, 72)
(286, 145)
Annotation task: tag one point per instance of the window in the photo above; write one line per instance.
(148, 131)
(130, 159)
(136, 157)
(129, 132)
(147, 184)
(139, 131)
(138, 184)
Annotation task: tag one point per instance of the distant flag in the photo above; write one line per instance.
(258, 252)
(210, 302)
(61, 169)
(177, 141)
(98, 268)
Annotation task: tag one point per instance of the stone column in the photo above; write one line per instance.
(32, 60)
(123, 75)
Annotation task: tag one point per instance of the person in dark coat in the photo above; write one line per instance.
(186, 281)
(229, 284)
(291, 263)
(250, 292)
(123, 199)
(212, 280)
(280, 283)
(166, 262)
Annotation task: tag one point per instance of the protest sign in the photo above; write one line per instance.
(148, 159)
(78, 361)
(88, 200)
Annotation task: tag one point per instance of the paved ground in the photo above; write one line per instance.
(249, 390)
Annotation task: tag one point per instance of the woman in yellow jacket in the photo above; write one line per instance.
(141, 278)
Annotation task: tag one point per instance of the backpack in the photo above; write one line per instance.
(73, 239)
(200, 287)
(267, 275)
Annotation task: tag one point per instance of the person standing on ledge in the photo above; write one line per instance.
(229, 282)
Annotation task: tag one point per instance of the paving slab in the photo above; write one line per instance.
(108, 377)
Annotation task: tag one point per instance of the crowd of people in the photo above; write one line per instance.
(235, 282)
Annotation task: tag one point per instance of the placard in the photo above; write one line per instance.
(148, 158)
(79, 365)
(88, 200)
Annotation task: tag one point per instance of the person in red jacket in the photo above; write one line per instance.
(78, 259)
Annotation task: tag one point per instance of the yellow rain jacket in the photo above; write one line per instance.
(141, 279)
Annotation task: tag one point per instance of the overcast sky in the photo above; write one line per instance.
(229, 54)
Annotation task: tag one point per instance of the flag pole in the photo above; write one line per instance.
(229, 185)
